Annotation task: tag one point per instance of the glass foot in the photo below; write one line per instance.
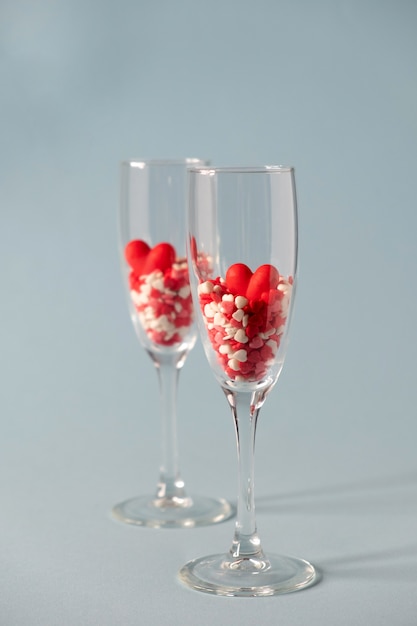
(173, 512)
(224, 575)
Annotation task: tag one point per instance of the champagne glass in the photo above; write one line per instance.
(242, 249)
(155, 269)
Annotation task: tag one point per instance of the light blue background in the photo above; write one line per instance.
(329, 87)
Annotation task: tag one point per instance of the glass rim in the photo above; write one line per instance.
(244, 169)
(149, 162)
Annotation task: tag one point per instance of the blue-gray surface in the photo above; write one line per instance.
(329, 87)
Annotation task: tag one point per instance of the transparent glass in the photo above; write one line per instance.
(155, 271)
(242, 250)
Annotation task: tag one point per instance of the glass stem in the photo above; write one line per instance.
(245, 409)
(170, 488)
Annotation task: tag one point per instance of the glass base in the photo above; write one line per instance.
(173, 512)
(224, 575)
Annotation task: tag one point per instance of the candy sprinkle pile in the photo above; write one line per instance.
(160, 291)
(245, 315)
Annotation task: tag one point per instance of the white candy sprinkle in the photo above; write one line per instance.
(158, 284)
(238, 315)
(178, 306)
(245, 321)
(218, 319)
(184, 292)
(145, 289)
(273, 345)
(225, 349)
(229, 331)
(241, 301)
(228, 297)
(285, 302)
(233, 364)
(208, 311)
(241, 356)
(241, 336)
(136, 298)
(161, 323)
(206, 287)
(286, 289)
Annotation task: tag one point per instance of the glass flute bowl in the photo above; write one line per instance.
(155, 271)
(242, 251)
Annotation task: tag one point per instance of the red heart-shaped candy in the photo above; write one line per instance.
(136, 253)
(237, 278)
(161, 257)
(265, 278)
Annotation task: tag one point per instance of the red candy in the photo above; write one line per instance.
(238, 277)
(144, 260)
(265, 278)
(161, 257)
(135, 253)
